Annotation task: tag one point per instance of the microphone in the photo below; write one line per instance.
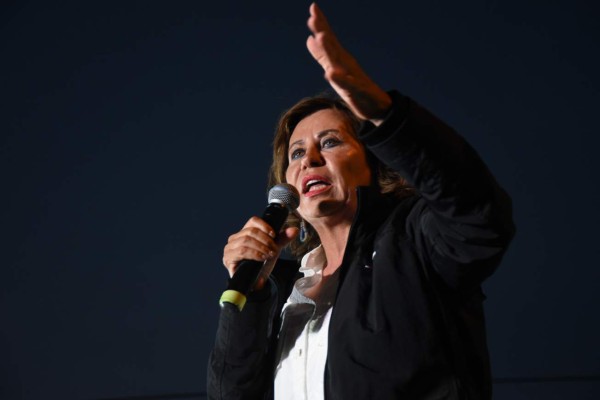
(282, 199)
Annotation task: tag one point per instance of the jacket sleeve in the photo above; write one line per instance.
(462, 224)
(239, 366)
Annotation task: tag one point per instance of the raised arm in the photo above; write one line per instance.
(366, 99)
(464, 224)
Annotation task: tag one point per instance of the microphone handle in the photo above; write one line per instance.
(244, 279)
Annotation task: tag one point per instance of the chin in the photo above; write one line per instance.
(327, 208)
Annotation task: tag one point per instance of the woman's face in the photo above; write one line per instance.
(326, 165)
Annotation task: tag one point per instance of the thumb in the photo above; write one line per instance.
(286, 236)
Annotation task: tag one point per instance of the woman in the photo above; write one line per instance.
(390, 306)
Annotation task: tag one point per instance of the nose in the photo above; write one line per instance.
(312, 158)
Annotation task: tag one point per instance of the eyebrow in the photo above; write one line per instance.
(319, 136)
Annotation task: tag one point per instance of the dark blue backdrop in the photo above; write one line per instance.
(135, 137)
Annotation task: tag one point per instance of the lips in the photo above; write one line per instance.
(314, 184)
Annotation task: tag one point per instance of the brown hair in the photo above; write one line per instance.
(387, 180)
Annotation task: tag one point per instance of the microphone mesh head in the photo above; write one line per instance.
(286, 194)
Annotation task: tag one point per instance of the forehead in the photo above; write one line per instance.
(320, 121)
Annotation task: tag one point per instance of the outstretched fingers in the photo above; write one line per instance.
(364, 97)
(322, 43)
(317, 21)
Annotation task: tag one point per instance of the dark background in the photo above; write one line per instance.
(135, 137)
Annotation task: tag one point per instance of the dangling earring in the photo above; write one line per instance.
(302, 231)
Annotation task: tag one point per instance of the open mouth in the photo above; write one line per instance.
(314, 184)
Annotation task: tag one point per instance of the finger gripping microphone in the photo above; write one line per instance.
(282, 199)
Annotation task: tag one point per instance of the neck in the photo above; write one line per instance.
(334, 239)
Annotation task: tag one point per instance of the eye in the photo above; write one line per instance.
(330, 142)
(296, 154)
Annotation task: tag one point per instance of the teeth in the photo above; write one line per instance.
(315, 184)
(317, 187)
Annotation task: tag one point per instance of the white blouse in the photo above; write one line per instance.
(302, 348)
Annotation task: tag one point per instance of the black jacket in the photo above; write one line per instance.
(407, 323)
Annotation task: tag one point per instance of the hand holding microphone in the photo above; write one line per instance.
(251, 252)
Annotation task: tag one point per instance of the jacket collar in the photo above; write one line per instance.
(373, 209)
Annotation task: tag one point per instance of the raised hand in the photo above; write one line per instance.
(366, 99)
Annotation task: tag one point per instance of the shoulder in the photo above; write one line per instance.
(403, 211)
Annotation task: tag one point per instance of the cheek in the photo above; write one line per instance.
(289, 175)
(365, 175)
(359, 170)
